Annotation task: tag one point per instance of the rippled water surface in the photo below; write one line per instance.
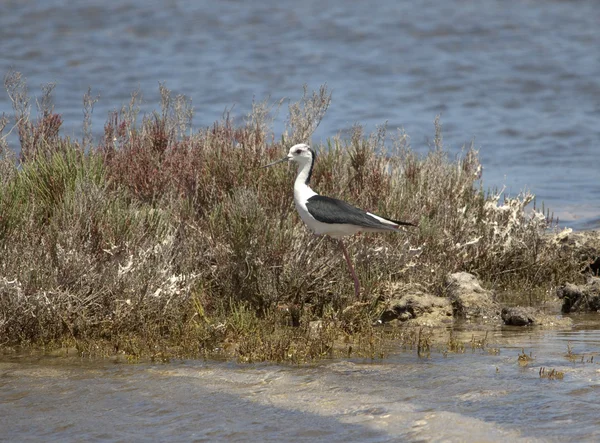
(475, 396)
(520, 78)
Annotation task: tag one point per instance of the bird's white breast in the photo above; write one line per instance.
(302, 193)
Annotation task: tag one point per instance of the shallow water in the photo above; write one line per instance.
(522, 79)
(474, 396)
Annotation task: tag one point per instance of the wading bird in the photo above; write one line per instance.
(330, 216)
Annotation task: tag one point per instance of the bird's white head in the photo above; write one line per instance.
(300, 153)
(305, 157)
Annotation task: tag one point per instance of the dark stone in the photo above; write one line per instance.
(519, 316)
(526, 316)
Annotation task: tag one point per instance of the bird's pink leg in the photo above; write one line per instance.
(356, 282)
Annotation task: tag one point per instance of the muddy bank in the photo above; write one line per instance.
(466, 299)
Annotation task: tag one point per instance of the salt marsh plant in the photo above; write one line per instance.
(123, 240)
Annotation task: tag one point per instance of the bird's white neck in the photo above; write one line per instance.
(304, 173)
(301, 188)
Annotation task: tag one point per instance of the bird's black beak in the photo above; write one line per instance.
(284, 159)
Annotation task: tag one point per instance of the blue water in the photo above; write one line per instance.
(521, 79)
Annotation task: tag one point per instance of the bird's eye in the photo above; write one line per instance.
(298, 151)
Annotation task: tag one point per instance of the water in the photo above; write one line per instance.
(522, 79)
(475, 396)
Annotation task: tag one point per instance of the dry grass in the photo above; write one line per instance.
(128, 240)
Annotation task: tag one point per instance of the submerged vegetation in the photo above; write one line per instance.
(160, 240)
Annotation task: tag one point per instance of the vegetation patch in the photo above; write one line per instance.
(160, 240)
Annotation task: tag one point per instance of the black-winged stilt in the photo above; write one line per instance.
(330, 216)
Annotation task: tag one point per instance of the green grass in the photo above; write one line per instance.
(165, 240)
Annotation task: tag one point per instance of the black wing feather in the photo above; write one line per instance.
(332, 210)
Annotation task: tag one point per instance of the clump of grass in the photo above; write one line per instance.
(479, 343)
(574, 357)
(524, 359)
(423, 343)
(123, 241)
(553, 374)
(454, 345)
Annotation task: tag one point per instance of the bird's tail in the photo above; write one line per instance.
(402, 223)
(389, 223)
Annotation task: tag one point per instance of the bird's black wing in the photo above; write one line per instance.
(331, 210)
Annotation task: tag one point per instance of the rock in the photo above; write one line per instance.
(580, 298)
(409, 304)
(518, 316)
(526, 316)
(469, 299)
